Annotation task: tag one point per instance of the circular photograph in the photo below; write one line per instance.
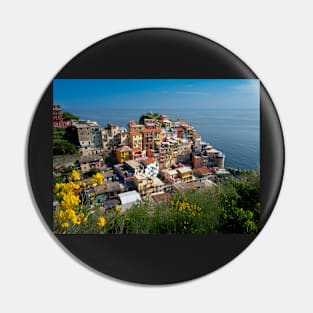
(155, 156)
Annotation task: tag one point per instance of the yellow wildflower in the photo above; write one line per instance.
(69, 213)
(57, 187)
(65, 225)
(117, 208)
(75, 175)
(75, 220)
(101, 221)
(96, 179)
(69, 200)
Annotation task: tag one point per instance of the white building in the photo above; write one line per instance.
(88, 133)
(151, 168)
(128, 199)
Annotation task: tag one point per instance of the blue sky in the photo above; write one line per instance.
(77, 95)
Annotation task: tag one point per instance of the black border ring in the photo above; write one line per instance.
(155, 53)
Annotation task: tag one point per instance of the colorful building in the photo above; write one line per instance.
(171, 176)
(151, 167)
(148, 185)
(137, 154)
(135, 140)
(114, 136)
(150, 136)
(122, 138)
(134, 167)
(88, 133)
(184, 150)
(185, 174)
(123, 154)
(57, 117)
(167, 153)
(133, 126)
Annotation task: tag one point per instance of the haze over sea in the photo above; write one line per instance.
(225, 112)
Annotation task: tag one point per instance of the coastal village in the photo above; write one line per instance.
(149, 160)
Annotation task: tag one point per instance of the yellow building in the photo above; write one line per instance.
(123, 154)
(185, 174)
(148, 185)
(168, 153)
(135, 140)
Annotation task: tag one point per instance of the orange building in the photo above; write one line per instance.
(150, 135)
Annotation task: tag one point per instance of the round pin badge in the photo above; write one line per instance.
(155, 156)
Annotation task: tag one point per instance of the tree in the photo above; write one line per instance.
(62, 146)
(67, 116)
(240, 202)
(63, 142)
(148, 115)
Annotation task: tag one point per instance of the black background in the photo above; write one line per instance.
(155, 53)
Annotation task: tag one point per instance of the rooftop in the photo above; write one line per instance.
(108, 187)
(212, 150)
(160, 196)
(183, 187)
(151, 130)
(191, 185)
(149, 160)
(87, 123)
(222, 171)
(123, 149)
(129, 196)
(107, 173)
(91, 158)
(132, 163)
(184, 170)
(202, 171)
(157, 182)
(172, 172)
(141, 177)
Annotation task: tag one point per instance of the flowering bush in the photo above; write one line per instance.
(75, 175)
(96, 179)
(74, 212)
(233, 206)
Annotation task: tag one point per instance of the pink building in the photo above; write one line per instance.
(137, 154)
(172, 177)
(196, 161)
(57, 116)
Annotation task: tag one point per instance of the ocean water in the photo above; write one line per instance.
(234, 131)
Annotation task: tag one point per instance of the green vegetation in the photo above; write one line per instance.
(93, 171)
(67, 116)
(233, 206)
(148, 115)
(61, 142)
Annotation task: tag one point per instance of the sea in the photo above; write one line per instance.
(234, 131)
